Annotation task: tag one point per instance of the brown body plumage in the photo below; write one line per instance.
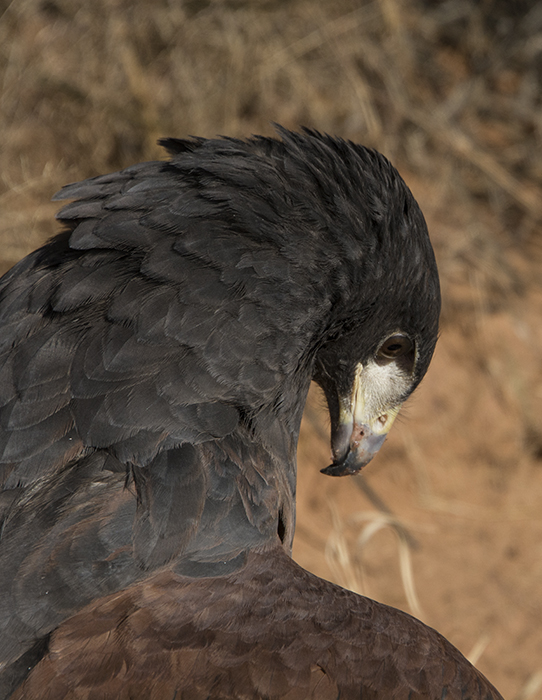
(269, 630)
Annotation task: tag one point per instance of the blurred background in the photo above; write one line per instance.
(447, 521)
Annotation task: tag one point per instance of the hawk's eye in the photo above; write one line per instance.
(393, 347)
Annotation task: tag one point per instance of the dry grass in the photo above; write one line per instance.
(451, 92)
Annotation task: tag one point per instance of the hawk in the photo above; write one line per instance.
(155, 358)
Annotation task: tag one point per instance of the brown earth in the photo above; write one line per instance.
(447, 521)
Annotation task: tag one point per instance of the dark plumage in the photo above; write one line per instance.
(154, 363)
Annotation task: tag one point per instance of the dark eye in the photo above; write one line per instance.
(393, 347)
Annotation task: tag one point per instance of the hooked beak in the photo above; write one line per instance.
(360, 431)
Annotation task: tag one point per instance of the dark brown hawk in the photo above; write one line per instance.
(155, 359)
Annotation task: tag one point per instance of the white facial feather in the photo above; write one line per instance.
(377, 389)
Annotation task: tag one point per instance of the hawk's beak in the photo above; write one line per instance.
(360, 431)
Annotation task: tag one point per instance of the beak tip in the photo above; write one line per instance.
(348, 467)
(352, 460)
